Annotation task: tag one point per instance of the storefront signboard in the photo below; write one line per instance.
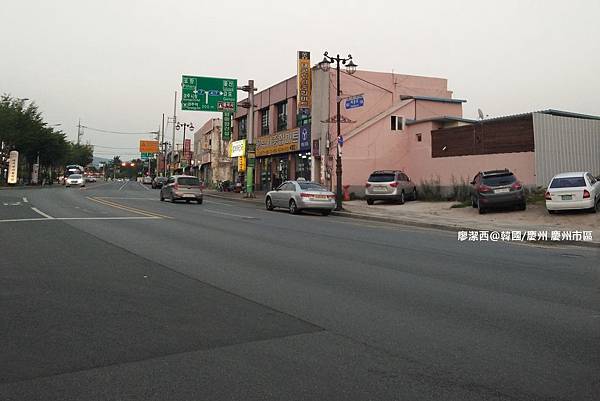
(315, 148)
(13, 164)
(304, 80)
(280, 142)
(242, 164)
(237, 148)
(305, 138)
(226, 126)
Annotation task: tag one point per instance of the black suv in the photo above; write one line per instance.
(497, 188)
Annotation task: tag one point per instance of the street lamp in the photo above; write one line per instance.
(350, 69)
(191, 127)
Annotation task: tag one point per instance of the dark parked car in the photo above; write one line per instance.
(158, 182)
(497, 188)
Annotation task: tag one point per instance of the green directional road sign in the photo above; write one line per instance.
(146, 155)
(208, 94)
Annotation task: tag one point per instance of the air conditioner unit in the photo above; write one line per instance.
(397, 123)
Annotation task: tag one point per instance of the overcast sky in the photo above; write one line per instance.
(116, 64)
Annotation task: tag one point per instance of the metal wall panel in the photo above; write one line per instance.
(564, 144)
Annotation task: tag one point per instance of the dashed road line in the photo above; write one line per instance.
(231, 214)
(124, 185)
(38, 211)
(25, 200)
(143, 186)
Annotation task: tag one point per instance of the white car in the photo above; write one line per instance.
(571, 191)
(75, 179)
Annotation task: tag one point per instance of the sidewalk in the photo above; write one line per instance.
(441, 215)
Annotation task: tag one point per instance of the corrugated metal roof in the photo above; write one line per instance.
(553, 112)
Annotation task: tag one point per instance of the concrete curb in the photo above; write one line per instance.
(412, 223)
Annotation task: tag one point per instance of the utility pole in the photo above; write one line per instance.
(173, 143)
(164, 149)
(79, 131)
(250, 168)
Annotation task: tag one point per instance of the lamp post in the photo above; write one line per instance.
(178, 125)
(350, 69)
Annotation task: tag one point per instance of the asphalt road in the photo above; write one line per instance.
(106, 293)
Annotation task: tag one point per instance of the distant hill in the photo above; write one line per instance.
(98, 160)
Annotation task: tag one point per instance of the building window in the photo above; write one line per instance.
(397, 123)
(281, 116)
(419, 137)
(264, 122)
(243, 127)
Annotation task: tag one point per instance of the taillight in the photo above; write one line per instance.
(547, 196)
(484, 188)
(516, 186)
(176, 186)
(305, 195)
(330, 196)
(586, 194)
(394, 184)
(367, 185)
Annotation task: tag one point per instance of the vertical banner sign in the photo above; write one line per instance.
(242, 164)
(304, 80)
(35, 172)
(187, 145)
(13, 163)
(226, 126)
(305, 138)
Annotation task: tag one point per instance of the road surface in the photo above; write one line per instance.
(109, 294)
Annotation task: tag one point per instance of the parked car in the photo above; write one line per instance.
(147, 180)
(90, 178)
(497, 188)
(75, 180)
(184, 187)
(301, 195)
(158, 182)
(389, 185)
(571, 191)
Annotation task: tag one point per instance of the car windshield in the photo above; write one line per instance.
(75, 176)
(188, 181)
(311, 186)
(568, 182)
(497, 180)
(381, 177)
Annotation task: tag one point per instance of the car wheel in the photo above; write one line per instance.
(187, 201)
(172, 199)
(596, 207)
(293, 207)
(523, 206)
(473, 203)
(199, 201)
(269, 203)
(401, 201)
(414, 194)
(326, 212)
(370, 201)
(552, 211)
(481, 209)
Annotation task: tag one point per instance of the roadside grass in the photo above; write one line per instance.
(535, 195)
(466, 203)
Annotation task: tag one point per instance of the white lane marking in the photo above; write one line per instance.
(33, 219)
(230, 214)
(25, 200)
(13, 204)
(123, 186)
(38, 211)
(80, 218)
(219, 203)
(124, 197)
(143, 186)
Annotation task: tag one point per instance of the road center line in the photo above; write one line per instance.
(81, 218)
(38, 211)
(128, 208)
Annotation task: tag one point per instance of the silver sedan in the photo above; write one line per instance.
(301, 195)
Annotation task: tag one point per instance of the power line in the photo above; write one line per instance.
(112, 147)
(119, 132)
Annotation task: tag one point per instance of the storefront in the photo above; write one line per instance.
(278, 159)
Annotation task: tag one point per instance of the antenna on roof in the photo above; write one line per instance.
(481, 116)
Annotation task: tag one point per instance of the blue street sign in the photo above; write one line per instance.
(341, 140)
(354, 102)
